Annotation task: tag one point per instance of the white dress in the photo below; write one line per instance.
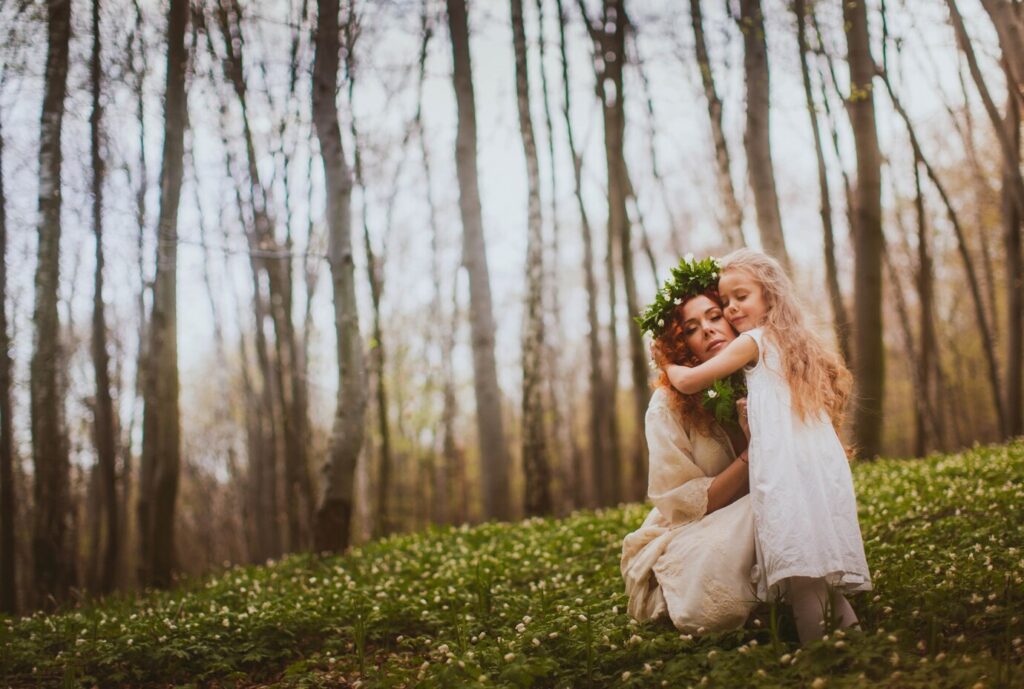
(801, 488)
(695, 567)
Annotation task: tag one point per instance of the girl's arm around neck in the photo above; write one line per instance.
(734, 356)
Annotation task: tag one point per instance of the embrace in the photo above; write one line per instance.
(753, 501)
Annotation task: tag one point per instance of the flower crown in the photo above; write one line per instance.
(690, 277)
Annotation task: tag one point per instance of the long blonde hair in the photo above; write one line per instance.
(818, 379)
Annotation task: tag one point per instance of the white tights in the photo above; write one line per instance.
(807, 595)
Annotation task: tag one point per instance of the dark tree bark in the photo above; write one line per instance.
(8, 546)
(53, 561)
(161, 425)
(756, 139)
(332, 525)
(868, 349)
(494, 455)
(104, 431)
(732, 227)
(536, 460)
(840, 317)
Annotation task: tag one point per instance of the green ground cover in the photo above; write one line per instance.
(540, 603)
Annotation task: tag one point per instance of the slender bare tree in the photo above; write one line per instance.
(161, 424)
(868, 242)
(332, 525)
(274, 261)
(987, 339)
(608, 37)
(732, 225)
(103, 411)
(536, 461)
(603, 448)
(756, 139)
(494, 454)
(1013, 218)
(840, 318)
(53, 562)
(8, 545)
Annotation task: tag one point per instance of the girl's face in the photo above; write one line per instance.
(743, 299)
(705, 329)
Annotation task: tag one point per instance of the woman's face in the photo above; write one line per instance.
(705, 329)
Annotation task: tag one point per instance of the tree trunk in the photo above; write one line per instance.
(1012, 220)
(1011, 158)
(161, 425)
(926, 351)
(609, 43)
(333, 520)
(536, 459)
(756, 139)
(988, 343)
(383, 523)
(104, 406)
(494, 455)
(603, 455)
(8, 545)
(52, 557)
(868, 244)
(274, 261)
(732, 227)
(840, 318)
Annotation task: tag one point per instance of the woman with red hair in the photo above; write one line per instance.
(693, 557)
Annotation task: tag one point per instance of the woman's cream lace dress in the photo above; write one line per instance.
(696, 567)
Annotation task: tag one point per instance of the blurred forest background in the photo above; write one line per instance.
(290, 275)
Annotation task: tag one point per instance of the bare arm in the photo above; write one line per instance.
(692, 379)
(730, 485)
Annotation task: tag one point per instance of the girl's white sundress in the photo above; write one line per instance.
(805, 510)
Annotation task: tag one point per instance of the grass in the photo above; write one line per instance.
(540, 603)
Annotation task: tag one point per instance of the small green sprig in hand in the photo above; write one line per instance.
(720, 398)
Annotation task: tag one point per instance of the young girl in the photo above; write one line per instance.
(807, 538)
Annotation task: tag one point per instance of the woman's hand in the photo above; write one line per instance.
(741, 415)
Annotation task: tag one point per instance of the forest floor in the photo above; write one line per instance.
(540, 603)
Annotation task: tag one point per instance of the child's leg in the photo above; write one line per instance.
(844, 614)
(808, 597)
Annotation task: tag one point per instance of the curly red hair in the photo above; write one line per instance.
(670, 348)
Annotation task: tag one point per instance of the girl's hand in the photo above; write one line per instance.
(741, 415)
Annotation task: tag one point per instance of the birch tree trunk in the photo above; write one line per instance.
(104, 407)
(732, 227)
(494, 455)
(756, 139)
(161, 426)
(8, 545)
(53, 562)
(333, 520)
(536, 460)
(868, 350)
